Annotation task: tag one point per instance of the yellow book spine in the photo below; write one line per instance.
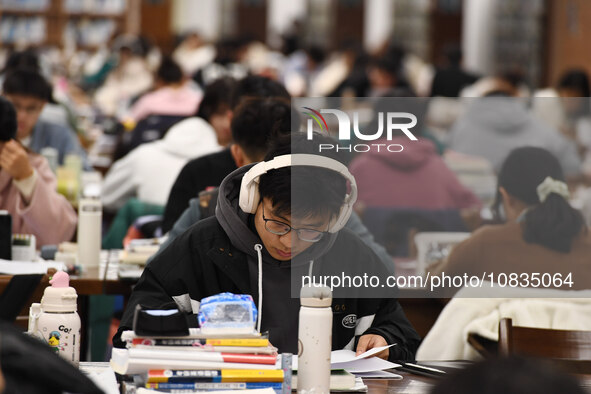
(252, 375)
(238, 342)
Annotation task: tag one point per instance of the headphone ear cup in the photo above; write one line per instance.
(249, 196)
(341, 221)
(254, 196)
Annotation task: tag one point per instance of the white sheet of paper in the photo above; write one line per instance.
(373, 351)
(365, 365)
(346, 359)
(342, 356)
(379, 375)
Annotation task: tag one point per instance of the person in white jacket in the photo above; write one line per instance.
(149, 171)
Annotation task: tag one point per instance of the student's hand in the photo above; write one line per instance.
(370, 341)
(15, 161)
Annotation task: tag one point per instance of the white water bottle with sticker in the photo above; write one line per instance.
(56, 319)
(314, 340)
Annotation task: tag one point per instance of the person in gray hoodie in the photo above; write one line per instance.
(494, 125)
(263, 241)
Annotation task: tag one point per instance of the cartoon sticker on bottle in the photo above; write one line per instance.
(54, 341)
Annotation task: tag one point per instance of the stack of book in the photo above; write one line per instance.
(199, 363)
(206, 380)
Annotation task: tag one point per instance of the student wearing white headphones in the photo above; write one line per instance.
(277, 221)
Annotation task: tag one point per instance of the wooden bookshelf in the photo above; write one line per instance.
(57, 18)
(425, 28)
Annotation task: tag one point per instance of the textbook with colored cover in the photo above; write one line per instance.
(174, 354)
(184, 341)
(123, 364)
(214, 386)
(208, 348)
(220, 376)
(195, 333)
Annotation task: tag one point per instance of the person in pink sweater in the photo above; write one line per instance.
(172, 95)
(416, 178)
(28, 188)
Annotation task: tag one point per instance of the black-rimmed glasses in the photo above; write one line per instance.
(279, 228)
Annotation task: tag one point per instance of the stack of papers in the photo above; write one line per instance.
(364, 363)
(11, 267)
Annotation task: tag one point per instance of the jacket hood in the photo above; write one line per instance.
(235, 223)
(505, 115)
(190, 138)
(414, 155)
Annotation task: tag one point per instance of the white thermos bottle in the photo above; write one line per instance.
(55, 320)
(90, 212)
(314, 340)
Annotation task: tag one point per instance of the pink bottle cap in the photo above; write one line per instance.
(60, 279)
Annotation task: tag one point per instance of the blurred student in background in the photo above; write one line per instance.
(172, 96)
(203, 172)
(149, 171)
(495, 124)
(129, 78)
(451, 78)
(28, 188)
(29, 92)
(416, 177)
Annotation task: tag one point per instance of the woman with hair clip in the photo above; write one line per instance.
(541, 232)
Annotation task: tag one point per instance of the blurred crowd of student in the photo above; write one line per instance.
(164, 110)
(163, 128)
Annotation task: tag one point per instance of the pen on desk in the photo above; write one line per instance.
(421, 369)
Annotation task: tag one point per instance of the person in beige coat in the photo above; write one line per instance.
(544, 241)
(28, 188)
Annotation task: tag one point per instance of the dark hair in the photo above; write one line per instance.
(257, 86)
(22, 59)
(300, 190)
(228, 50)
(316, 54)
(576, 79)
(453, 54)
(8, 123)
(554, 223)
(389, 64)
(258, 121)
(513, 375)
(27, 82)
(169, 71)
(217, 97)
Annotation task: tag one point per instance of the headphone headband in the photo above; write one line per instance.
(249, 189)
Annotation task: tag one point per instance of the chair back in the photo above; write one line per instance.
(543, 342)
(151, 128)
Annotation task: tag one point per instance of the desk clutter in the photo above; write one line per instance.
(163, 354)
(196, 362)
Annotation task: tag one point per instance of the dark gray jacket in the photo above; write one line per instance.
(218, 255)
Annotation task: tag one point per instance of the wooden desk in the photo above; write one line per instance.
(410, 384)
(88, 283)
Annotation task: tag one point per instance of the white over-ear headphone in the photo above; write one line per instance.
(249, 189)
